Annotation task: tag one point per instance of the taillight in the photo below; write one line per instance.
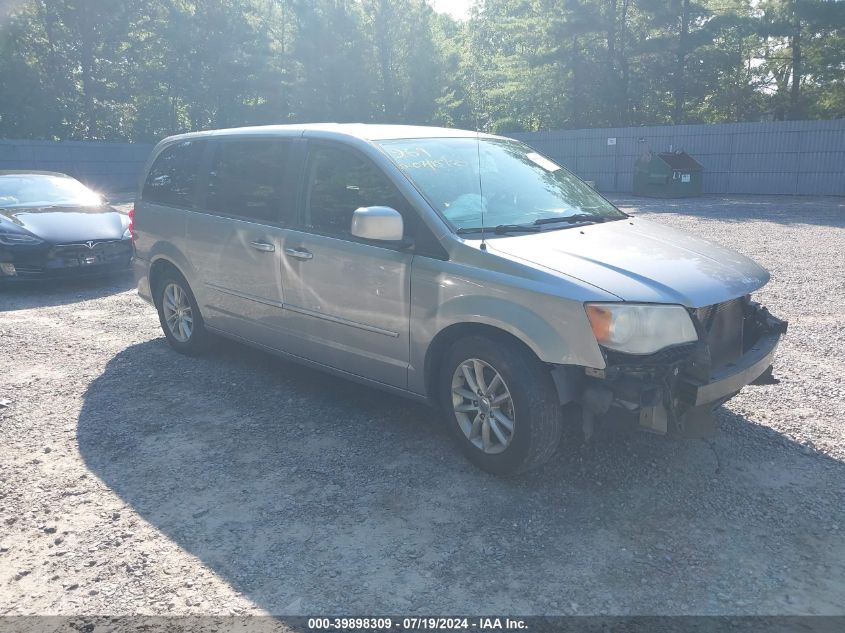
(132, 223)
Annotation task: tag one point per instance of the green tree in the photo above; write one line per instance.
(143, 69)
(404, 59)
(801, 54)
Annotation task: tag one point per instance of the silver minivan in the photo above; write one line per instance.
(460, 269)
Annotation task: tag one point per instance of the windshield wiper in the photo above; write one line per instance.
(572, 219)
(515, 228)
(499, 229)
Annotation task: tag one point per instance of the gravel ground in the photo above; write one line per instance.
(135, 480)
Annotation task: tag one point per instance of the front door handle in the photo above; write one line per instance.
(299, 253)
(263, 246)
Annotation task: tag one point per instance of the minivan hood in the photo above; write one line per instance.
(62, 225)
(638, 260)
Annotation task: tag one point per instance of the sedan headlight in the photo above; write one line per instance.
(8, 238)
(640, 328)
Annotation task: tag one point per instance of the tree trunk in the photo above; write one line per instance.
(577, 91)
(383, 44)
(53, 68)
(624, 68)
(86, 60)
(612, 71)
(611, 33)
(795, 109)
(681, 65)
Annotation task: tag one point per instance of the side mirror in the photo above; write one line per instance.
(378, 223)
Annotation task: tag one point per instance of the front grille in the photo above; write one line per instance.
(707, 314)
(722, 325)
(91, 253)
(105, 248)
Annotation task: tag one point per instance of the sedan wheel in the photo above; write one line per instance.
(483, 406)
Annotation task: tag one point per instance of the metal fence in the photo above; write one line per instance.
(784, 157)
(106, 166)
(788, 157)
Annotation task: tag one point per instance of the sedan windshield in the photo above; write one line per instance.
(497, 183)
(43, 190)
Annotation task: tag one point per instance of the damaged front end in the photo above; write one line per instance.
(676, 390)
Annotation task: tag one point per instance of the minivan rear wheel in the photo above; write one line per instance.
(501, 405)
(179, 315)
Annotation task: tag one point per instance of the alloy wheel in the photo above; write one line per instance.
(177, 312)
(483, 406)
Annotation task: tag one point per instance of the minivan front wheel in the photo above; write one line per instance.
(179, 315)
(483, 406)
(501, 404)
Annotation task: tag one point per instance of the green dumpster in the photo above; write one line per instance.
(668, 175)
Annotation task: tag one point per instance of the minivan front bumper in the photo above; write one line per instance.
(728, 380)
(676, 390)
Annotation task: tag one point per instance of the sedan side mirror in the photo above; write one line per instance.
(378, 223)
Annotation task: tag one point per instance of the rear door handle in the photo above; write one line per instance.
(263, 246)
(299, 253)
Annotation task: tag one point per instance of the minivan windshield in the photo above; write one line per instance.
(44, 190)
(516, 188)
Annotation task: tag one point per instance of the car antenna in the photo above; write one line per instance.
(478, 155)
(480, 187)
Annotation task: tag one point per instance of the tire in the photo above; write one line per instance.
(537, 419)
(190, 341)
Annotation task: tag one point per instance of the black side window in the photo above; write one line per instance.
(172, 179)
(246, 178)
(340, 181)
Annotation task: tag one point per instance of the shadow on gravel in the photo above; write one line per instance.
(40, 294)
(824, 211)
(311, 494)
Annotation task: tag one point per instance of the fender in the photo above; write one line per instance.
(164, 251)
(515, 319)
(566, 341)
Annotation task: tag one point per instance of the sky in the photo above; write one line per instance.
(458, 9)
